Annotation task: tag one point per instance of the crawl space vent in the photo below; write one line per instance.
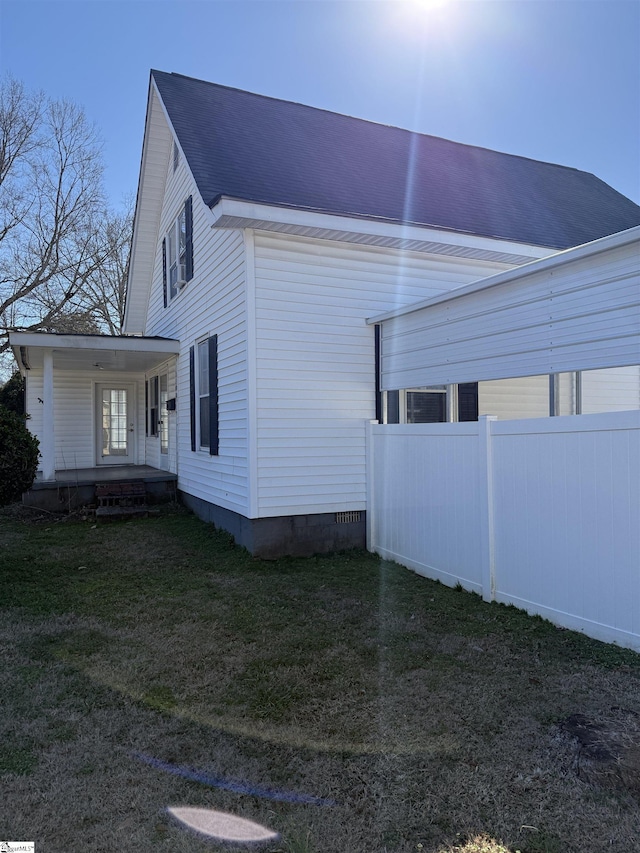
(347, 517)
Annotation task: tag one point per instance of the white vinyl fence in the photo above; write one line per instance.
(543, 514)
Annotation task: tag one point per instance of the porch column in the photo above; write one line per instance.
(48, 436)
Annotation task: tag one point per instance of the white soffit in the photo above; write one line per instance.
(91, 352)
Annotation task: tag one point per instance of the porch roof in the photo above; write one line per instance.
(125, 353)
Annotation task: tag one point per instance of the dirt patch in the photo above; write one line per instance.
(608, 748)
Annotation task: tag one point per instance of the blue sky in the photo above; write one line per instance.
(554, 80)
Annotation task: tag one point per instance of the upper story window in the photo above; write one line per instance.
(177, 253)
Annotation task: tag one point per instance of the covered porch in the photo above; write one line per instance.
(88, 403)
(71, 489)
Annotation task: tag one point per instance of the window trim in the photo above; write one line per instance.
(396, 404)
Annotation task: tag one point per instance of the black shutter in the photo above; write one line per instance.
(154, 406)
(188, 228)
(192, 395)
(468, 401)
(146, 407)
(213, 396)
(393, 407)
(377, 362)
(164, 272)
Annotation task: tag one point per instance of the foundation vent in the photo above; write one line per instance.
(348, 517)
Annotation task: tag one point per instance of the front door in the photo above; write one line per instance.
(115, 424)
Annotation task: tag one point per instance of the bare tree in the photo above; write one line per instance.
(103, 294)
(53, 238)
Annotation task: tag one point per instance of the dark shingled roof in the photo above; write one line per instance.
(260, 149)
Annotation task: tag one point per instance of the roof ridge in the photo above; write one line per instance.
(372, 122)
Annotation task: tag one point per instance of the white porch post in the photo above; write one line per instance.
(48, 437)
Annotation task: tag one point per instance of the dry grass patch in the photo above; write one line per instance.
(153, 664)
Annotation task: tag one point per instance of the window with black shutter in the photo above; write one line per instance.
(203, 390)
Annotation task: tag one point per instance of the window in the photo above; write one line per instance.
(203, 375)
(427, 407)
(177, 253)
(203, 390)
(432, 405)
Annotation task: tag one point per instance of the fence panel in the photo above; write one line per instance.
(424, 510)
(567, 521)
(544, 513)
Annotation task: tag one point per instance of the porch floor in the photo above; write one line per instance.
(76, 488)
(105, 474)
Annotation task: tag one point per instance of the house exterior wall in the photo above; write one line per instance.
(152, 453)
(315, 377)
(526, 397)
(613, 389)
(617, 388)
(213, 302)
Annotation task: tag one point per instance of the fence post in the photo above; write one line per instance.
(486, 508)
(371, 488)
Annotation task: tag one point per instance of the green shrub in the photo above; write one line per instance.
(18, 456)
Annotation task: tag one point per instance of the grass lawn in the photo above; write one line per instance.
(342, 702)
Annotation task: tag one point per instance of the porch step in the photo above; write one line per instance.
(121, 500)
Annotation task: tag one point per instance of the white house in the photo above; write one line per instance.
(266, 234)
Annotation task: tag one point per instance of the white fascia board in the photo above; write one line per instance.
(236, 213)
(136, 315)
(45, 340)
(136, 217)
(551, 262)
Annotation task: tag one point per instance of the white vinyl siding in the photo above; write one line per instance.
(615, 389)
(214, 302)
(525, 397)
(152, 443)
(315, 360)
(75, 414)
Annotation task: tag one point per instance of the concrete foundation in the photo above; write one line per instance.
(291, 535)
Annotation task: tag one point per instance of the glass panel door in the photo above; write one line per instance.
(115, 425)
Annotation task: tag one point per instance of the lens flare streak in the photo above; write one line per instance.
(226, 827)
(231, 785)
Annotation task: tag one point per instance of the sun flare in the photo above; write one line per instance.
(420, 14)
